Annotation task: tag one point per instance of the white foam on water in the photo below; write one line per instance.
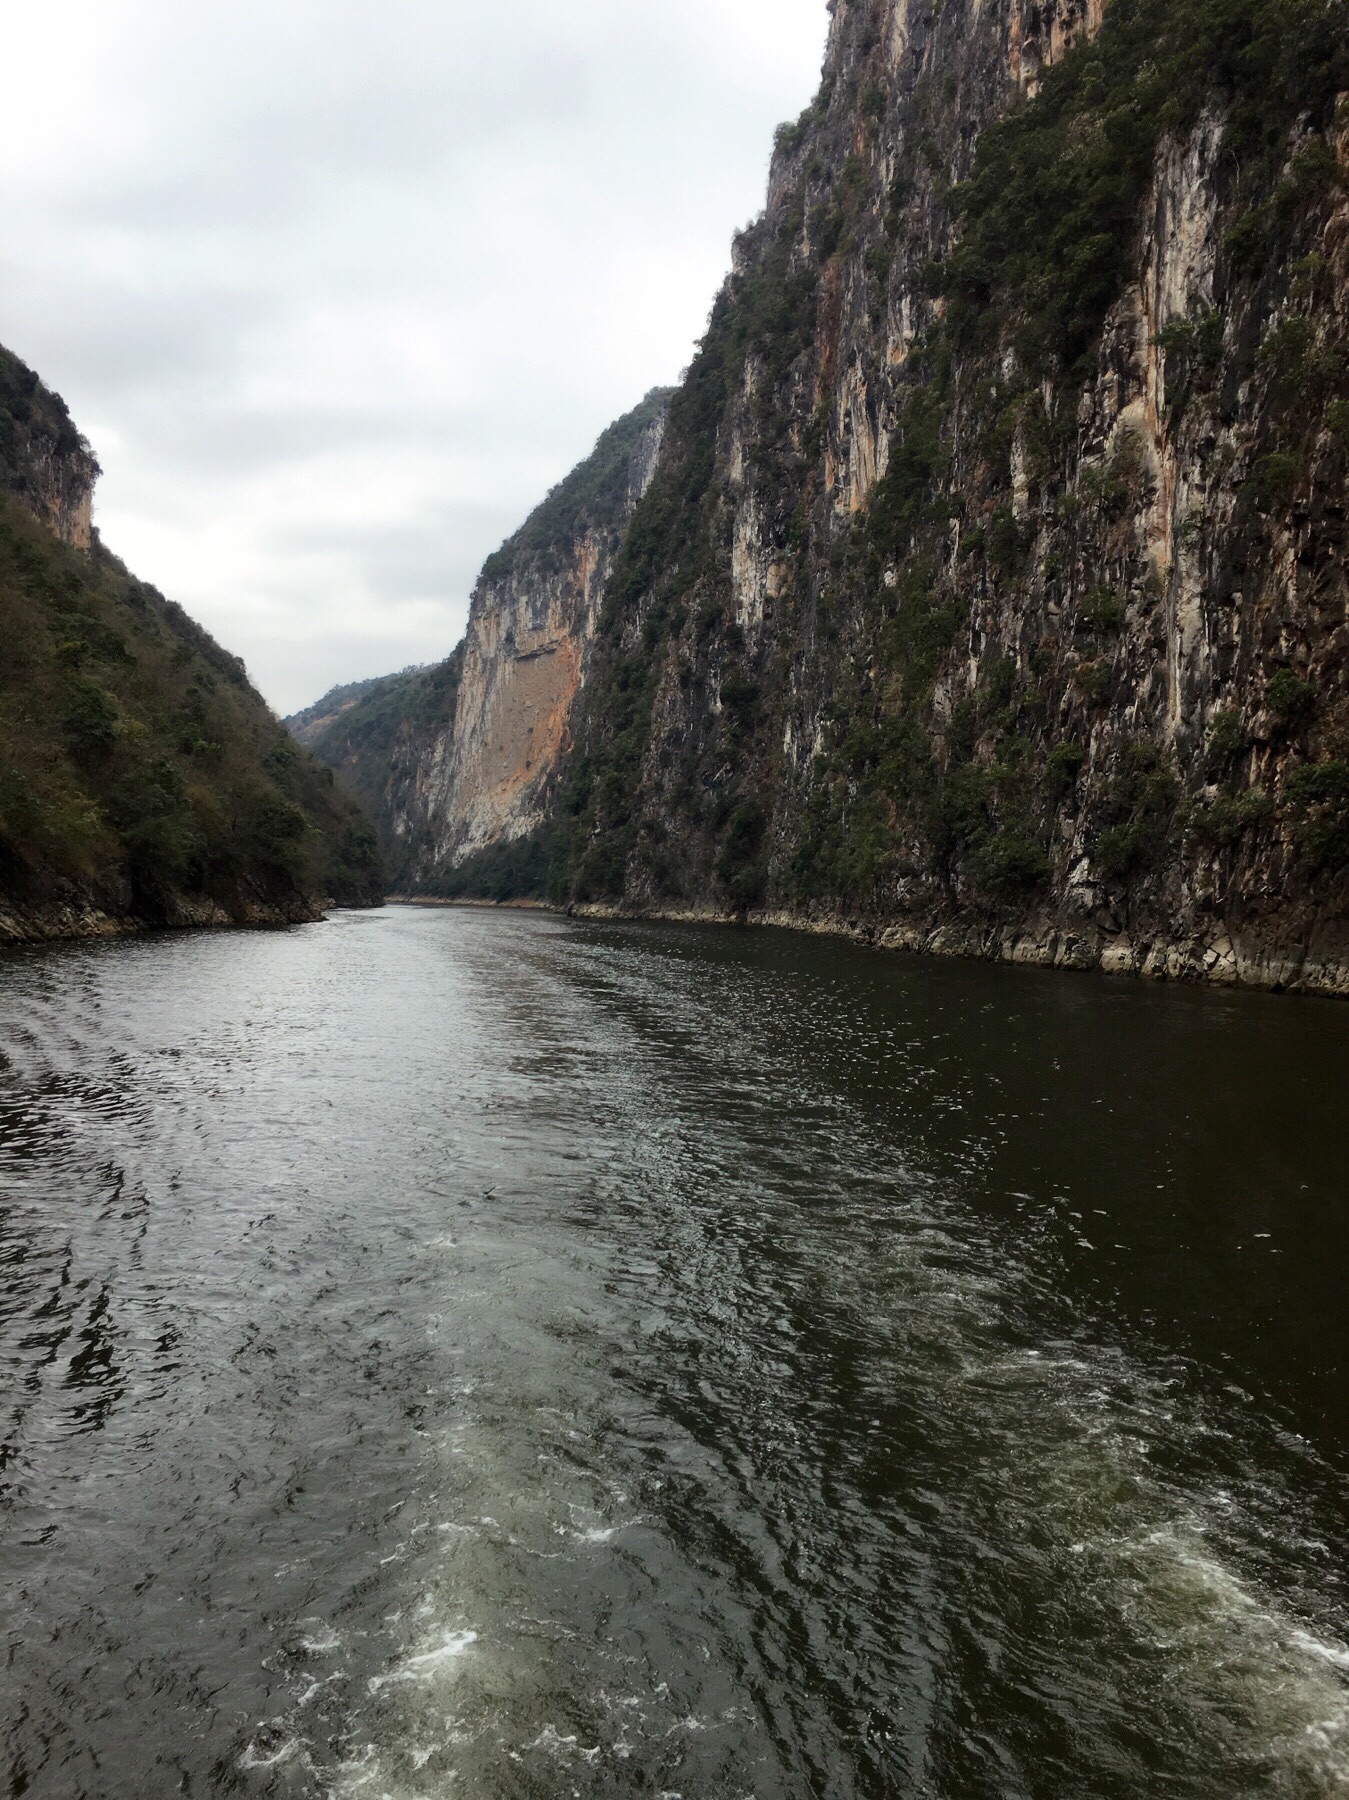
(563, 1749)
(1335, 1654)
(1233, 1641)
(357, 1773)
(1163, 1563)
(428, 1663)
(254, 1758)
(591, 1534)
(690, 1724)
(366, 1773)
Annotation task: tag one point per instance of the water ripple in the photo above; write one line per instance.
(461, 1355)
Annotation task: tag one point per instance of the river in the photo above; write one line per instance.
(485, 1356)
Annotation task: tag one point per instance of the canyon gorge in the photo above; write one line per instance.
(983, 589)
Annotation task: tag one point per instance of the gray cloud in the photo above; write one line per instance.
(339, 290)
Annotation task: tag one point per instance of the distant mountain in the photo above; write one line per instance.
(143, 781)
(382, 737)
(305, 726)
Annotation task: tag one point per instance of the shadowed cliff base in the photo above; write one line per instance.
(532, 874)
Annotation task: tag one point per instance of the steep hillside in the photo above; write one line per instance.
(990, 592)
(142, 780)
(460, 764)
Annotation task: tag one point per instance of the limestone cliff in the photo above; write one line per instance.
(990, 594)
(531, 630)
(461, 762)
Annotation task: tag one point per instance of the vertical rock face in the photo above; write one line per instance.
(44, 462)
(991, 588)
(527, 651)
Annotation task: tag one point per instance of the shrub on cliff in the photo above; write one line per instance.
(1317, 795)
(964, 657)
(594, 494)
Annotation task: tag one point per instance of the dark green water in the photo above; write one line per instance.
(459, 1355)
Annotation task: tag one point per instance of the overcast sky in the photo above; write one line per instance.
(339, 288)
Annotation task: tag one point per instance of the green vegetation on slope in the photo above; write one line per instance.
(1048, 230)
(304, 726)
(376, 735)
(595, 491)
(669, 552)
(36, 433)
(522, 869)
(138, 768)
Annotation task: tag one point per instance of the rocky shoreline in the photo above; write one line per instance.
(76, 920)
(1222, 961)
(474, 903)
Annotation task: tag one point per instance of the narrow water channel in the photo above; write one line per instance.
(483, 1356)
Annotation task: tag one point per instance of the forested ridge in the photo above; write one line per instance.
(142, 778)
